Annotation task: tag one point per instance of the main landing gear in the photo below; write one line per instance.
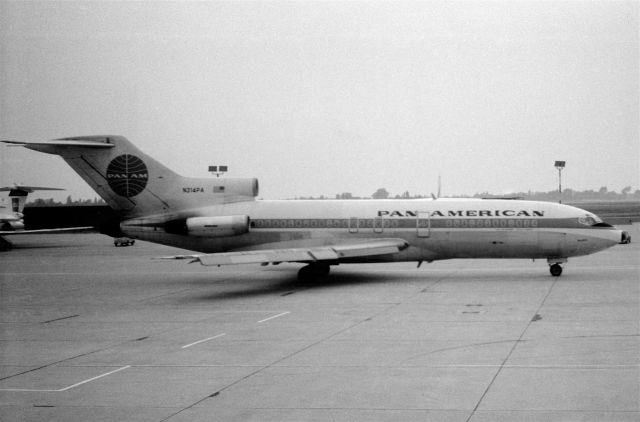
(554, 266)
(312, 272)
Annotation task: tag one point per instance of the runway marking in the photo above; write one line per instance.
(202, 341)
(66, 388)
(273, 317)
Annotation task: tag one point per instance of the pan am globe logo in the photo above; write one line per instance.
(127, 175)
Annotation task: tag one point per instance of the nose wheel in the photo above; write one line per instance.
(555, 270)
(554, 266)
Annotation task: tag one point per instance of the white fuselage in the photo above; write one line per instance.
(434, 229)
(10, 220)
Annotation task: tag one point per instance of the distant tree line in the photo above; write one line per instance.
(568, 194)
(69, 202)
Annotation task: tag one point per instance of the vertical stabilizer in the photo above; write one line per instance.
(133, 183)
(130, 181)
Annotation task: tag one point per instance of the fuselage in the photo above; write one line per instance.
(10, 220)
(434, 229)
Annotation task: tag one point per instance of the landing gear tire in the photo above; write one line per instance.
(312, 272)
(555, 270)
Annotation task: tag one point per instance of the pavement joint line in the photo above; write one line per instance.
(273, 317)
(53, 363)
(59, 319)
(69, 359)
(277, 361)
(506, 359)
(66, 388)
(453, 365)
(203, 340)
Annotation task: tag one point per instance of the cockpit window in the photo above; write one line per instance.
(593, 221)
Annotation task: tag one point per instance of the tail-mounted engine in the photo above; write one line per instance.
(236, 187)
(223, 226)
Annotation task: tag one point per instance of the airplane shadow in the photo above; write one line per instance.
(283, 282)
(288, 284)
(20, 246)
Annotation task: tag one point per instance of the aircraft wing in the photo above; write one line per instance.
(335, 252)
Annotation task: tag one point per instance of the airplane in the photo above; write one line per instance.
(13, 219)
(222, 219)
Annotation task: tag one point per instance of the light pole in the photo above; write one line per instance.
(560, 165)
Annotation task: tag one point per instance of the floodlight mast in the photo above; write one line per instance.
(560, 165)
(218, 170)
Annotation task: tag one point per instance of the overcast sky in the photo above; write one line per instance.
(320, 98)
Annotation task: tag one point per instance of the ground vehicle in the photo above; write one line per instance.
(123, 241)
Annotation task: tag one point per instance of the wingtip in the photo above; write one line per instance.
(13, 143)
(177, 257)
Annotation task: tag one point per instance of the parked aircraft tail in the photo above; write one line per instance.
(18, 195)
(135, 184)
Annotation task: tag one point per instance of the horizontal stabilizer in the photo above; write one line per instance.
(48, 231)
(68, 142)
(28, 189)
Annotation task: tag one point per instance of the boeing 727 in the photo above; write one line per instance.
(222, 220)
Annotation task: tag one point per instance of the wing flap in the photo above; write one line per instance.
(323, 253)
(373, 248)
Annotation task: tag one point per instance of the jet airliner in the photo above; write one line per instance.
(13, 219)
(221, 219)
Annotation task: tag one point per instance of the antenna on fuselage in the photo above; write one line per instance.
(439, 188)
(560, 166)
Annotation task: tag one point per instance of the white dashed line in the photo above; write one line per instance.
(275, 316)
(69, 387)
(202, 341)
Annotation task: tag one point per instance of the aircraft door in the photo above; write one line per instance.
(423, 223)
(553, 243)
(15, 204)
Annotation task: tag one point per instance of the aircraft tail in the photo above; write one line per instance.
(18, 195)
(133, 183)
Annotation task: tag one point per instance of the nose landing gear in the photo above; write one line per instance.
(555, 270)
(554, 266)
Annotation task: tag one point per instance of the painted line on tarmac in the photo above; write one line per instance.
(203, 340)
(273, 317)
(69, 387)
